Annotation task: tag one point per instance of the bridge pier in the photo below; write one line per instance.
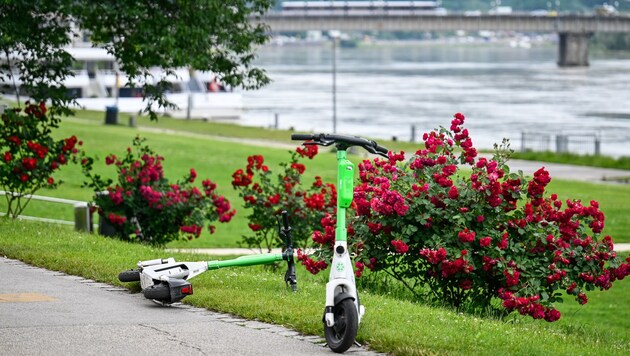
(573, 49)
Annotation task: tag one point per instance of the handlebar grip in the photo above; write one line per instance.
(382, 149)
(302, 137)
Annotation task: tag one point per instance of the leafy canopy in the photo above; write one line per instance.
(206, 35)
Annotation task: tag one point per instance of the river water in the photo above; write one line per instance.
(382, 91)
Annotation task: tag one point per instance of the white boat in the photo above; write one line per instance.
(97, 84)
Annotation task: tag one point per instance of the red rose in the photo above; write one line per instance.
(16, 140)
(275, 199)
(511, 279)
(29, 163)
(466, 235)
(552, 315)
(309, 151)
(485, 241)
(110, 159)
(453, 193)
(298, 167)
(400, 246)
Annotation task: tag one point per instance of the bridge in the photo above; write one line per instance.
(573, 30)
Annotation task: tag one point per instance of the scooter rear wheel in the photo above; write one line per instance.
(160, 292)
(131, 275)
(342, 335)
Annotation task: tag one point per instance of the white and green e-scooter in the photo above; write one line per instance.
(166, 281)
(343, 310)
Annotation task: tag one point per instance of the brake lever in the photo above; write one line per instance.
(373, 150)
(319, 143)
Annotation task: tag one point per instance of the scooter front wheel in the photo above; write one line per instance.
(342, 335)
(131, 275)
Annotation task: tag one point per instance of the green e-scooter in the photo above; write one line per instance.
(343, 310)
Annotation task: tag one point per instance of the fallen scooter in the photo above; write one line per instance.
(166, 281)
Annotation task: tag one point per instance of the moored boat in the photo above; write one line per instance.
(97, 84)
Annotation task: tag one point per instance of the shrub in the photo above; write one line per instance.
(267, 198)
(29, 155)
(144, 207)
(472, 237)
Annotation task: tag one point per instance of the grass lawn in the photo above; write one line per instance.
(392, 324)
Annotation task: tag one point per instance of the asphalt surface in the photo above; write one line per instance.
(44, 312)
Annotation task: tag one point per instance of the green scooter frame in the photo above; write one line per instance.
(343, 310)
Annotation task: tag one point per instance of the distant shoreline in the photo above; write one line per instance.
(542, 41)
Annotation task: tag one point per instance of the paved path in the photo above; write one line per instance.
(51, 313)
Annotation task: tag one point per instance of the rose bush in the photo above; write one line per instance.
(29, 155)
(267, 198)
(474, 237)
(144, 206)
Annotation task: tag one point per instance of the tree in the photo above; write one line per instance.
(29, 155)
(206, 35)
(32, 37)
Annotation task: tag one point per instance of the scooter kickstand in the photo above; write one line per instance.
(162, 304)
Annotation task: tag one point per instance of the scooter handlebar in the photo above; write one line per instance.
(344, 140)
